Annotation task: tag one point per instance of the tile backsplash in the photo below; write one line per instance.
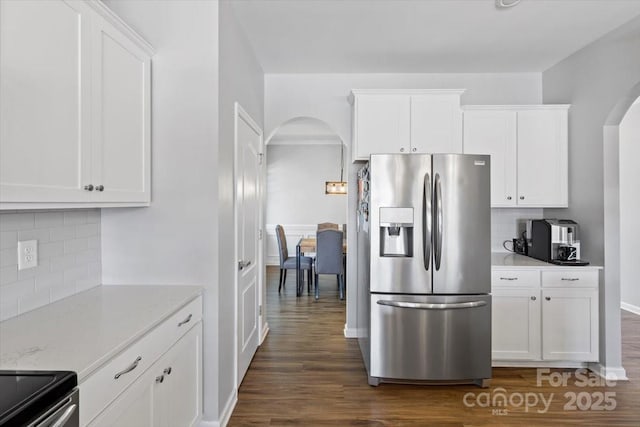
(68, 257)
(507, 224)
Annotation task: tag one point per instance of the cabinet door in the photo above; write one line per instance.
(381, 125)
(515, 321)
(121, 117)
(436, 124)
(180, 398)
(494, 133)
(134, 407)
(542, 158)
(570, 324)
(44, 113)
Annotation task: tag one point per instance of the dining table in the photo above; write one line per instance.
(307, 245)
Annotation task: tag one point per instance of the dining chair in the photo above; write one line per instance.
(289, 263)
(327, 226)
(329, 257)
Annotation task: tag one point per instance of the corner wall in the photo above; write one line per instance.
(175, 240)
(594, 80)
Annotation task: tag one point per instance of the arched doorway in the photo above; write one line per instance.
(301, 155)
(616, 208)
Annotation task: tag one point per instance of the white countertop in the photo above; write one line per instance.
(82, 332)
(509, 260)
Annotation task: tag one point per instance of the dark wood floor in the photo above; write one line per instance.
(307, 374)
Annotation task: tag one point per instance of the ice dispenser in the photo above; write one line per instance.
(396, 232)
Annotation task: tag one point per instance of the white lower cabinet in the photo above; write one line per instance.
(168, 394)
(516, 324)
(537, 317)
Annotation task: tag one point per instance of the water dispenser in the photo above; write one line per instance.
(396, 232)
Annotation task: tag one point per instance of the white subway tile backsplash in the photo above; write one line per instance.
(51, 249)
(8, 257)
(68, 257)
(507, 224)
(75, 245)
(62, 233)
(49, 219)
(16, 221)
(75, 217)
(8, 275)
(8, 239)
(34, 300)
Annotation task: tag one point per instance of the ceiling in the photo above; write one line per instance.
(378, 36)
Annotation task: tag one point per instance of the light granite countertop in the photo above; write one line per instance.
(511, 260)
(82, 332)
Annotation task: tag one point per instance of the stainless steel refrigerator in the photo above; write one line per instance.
(424, 268)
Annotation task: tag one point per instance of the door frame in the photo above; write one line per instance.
(263, 327)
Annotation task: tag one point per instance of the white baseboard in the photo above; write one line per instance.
(537, 364)
(352, 332)
(609, 373)
(265, 331)
(630, 307)
(225, 415)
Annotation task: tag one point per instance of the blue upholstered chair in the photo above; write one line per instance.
(289, 263)
(329, 259)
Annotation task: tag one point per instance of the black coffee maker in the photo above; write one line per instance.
(555, 241)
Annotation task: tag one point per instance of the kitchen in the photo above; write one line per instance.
(192, 199)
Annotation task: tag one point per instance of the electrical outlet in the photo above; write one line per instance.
(27, 254)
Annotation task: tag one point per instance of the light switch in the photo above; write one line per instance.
(27, 254)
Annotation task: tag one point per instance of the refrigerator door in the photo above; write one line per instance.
(400, 209)
(430, 337)
(461, 224)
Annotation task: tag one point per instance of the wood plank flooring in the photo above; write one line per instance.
(307, 374)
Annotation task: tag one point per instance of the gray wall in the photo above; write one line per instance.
(242, 81)
(175, 240)
(594, 80)
(68, 257)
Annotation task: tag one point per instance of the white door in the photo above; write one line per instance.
(248, 153)
(45, 73)
(494, 133)
(121, 117)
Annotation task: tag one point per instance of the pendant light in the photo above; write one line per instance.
(337, 187)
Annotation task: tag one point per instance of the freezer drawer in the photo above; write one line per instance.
(418, 337)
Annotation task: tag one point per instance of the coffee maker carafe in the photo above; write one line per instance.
(556, 241)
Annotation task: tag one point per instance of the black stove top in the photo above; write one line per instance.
(24, 394)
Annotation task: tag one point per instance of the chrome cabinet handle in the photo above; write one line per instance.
(547, 298)
(89, 187)
(432, 306)
(533, 298)
(508, 197)
(187, 320)
(167, 370)
(243, 264)
(521, 197)
(508, 278)
(402, 150)
(65, 416)
(100, 188)
(129, 368)
(570, 279)
(414, 149)
(160, 378)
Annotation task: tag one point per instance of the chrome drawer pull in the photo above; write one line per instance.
(570, 279)
(508, 278)
(187, 320)
(129, 368)
(167, 370)
(160, 379)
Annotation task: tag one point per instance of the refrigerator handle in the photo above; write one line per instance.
(432, 306)
(426, 221)
(437, 222)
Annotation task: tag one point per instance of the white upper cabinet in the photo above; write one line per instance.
(406, 121)
(75, 107)
(528, 147)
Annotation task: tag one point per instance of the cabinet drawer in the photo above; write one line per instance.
(102, 387)
(515, 278)
(570, 277)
